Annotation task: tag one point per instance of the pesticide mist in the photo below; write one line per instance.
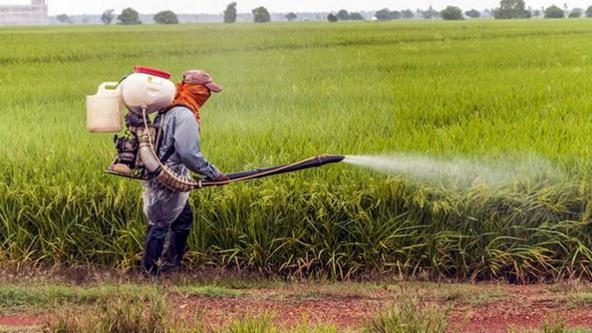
(458, 171)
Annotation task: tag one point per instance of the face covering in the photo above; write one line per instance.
(193, 96)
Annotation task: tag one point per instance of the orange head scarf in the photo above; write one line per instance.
(193, 96)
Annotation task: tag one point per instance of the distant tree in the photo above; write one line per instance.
(473, 13)
(407, 14)
(64, 18)
(129, 17)
(431, 13)
(511, 9)
(230, 13)
(536, 13)
(356, 17)
(554, 12)
(166, 17)
(589, 12)
(576, 13)
(452, 13)
(383, 15)
(332, 18)
(343, 15)
(387, 15)
(107, 16)
(261, 15)
(291, 17)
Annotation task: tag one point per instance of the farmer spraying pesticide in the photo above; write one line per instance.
(164, 151)
(168, 210)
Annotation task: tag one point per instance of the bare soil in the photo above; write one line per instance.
(471, 308)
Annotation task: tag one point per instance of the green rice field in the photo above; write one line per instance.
(479, 90)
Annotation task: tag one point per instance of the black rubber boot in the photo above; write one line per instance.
(153, 248)
(178, 236)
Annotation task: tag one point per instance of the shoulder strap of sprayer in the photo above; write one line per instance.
(171, 149)
(168, 154)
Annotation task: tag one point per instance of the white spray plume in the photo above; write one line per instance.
(459, 171)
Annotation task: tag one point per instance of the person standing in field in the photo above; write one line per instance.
(169, 214)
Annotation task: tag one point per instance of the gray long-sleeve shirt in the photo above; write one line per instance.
(179, 130)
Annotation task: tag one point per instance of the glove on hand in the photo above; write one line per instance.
(222, 178)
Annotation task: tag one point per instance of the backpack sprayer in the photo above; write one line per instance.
(144, 92)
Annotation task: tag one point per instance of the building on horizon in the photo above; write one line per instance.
(33, 14)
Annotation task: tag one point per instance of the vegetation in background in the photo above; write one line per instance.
(452, 13)
(511, 9)
(64, 18)
(387, 15)
(431, 13)
(344, 15)
(291, 16)
(261, 15)
(473, 13)
(107, 16)
(230, 13)
(332, 18)
(554, 12)
(129, 16)
(407, 14)
(166, 17)
(576, 13)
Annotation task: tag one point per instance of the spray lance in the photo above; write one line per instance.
(144, 92)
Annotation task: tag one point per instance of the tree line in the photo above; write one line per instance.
(508, 9)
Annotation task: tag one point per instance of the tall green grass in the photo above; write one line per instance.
(471, 89)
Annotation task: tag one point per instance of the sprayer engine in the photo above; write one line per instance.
(127, 153)
(128, 162)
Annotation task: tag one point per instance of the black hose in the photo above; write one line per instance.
(281, 169)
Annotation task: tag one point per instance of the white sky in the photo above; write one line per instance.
(217, 6)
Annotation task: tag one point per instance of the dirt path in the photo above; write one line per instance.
(20, 324)
(525, 307)
(486, 308)
(482, 308)
(342, 312)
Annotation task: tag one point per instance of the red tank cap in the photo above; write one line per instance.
(152, 71)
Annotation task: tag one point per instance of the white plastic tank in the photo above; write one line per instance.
(141, 90)
(104, 110)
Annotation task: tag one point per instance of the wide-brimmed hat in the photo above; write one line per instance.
(197, 76)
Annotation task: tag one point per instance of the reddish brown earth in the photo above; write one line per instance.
(12, 321)
(342, 312)
(523, 307)
(502, 307)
